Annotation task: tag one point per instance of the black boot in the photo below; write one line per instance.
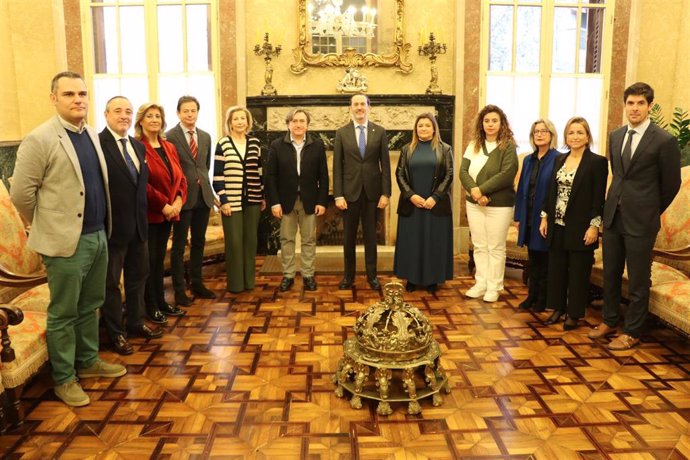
(528, 302)
(540, 274)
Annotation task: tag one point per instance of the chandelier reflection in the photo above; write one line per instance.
(327, 19)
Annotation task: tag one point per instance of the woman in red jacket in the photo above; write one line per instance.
(166, 193)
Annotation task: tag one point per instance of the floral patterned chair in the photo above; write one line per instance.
(23, 318)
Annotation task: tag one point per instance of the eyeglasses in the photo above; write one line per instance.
(542, 131)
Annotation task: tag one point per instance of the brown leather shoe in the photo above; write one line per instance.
(623, 342)
(601, 330)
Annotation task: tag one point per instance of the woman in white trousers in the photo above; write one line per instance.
(487, 174)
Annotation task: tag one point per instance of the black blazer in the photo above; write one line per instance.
(649, 185)
(443, 180)
(194, 169)
(127, 197)
(281, 177)
(586, 200)
(352, 173)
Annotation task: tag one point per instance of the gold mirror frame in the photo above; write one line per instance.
(350, 58)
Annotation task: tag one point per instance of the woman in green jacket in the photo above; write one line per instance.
(487, 173)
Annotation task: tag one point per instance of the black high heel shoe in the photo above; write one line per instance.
(571, 323)
(554, 318)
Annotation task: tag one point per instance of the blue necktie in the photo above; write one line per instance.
(362, 143)
(128, 160)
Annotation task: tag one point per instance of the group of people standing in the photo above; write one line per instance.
(101, 209)
(561, 205)
(103, 205)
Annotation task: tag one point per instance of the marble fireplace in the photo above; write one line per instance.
(395, 112)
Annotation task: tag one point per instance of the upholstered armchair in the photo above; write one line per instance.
(22, 309)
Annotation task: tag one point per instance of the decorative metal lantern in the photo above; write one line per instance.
(393, 357)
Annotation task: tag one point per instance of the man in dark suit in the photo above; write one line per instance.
(645, 162)
(127, 246)
(297, 189)
(361, 184)
(194, 150)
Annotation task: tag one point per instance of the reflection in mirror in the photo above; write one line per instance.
(351, 33)
(335, 26)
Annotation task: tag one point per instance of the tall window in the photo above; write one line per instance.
(152, 51)
(548, 58)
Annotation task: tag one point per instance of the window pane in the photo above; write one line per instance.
(572, 96)
(323, 44)
(519, 98)
(133, 36)
(198, 38)
(591, 40)
(171, 87)
(105, 39)
(564, 39)
(133, 88)
(501, 38)
(170, 46)
(528, 39)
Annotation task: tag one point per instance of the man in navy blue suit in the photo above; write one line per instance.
(645, 162)
(127, 245)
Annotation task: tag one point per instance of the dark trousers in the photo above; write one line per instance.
(619, 248)
(195, 219)
(568, 280)
(363, 210)
(158, 241)
(134, 260)
(538, 276)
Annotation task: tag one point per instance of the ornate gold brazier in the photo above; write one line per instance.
(392, 358)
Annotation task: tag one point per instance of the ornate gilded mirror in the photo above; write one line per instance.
(351, 33)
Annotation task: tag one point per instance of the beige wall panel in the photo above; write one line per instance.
(660, 50)
(9, 116)
(281, 24)
(36, 40)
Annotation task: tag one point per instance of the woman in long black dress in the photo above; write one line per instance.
(424, 245)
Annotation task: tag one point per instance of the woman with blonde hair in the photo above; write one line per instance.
(570, 223)
(237, 179)
(424, 244)
(487, 174)
(532, 189)
(166, 192)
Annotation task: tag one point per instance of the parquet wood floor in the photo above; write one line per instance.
(249, 377)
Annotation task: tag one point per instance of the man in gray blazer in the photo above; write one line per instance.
(194, 151)
(61, 187)
(645, 162)
(361, 184)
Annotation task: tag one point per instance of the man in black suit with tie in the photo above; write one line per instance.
(297, 190)
(127, 246)
(194, 151)
(645, 162)
(361, 184)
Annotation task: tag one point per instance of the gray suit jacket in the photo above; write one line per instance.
(649, 185)
(352, 173)
(48, 188)
(194, 169)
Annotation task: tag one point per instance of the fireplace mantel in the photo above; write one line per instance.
(394, 112)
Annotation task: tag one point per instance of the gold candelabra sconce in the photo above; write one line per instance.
(432, 49)
(268, 51)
